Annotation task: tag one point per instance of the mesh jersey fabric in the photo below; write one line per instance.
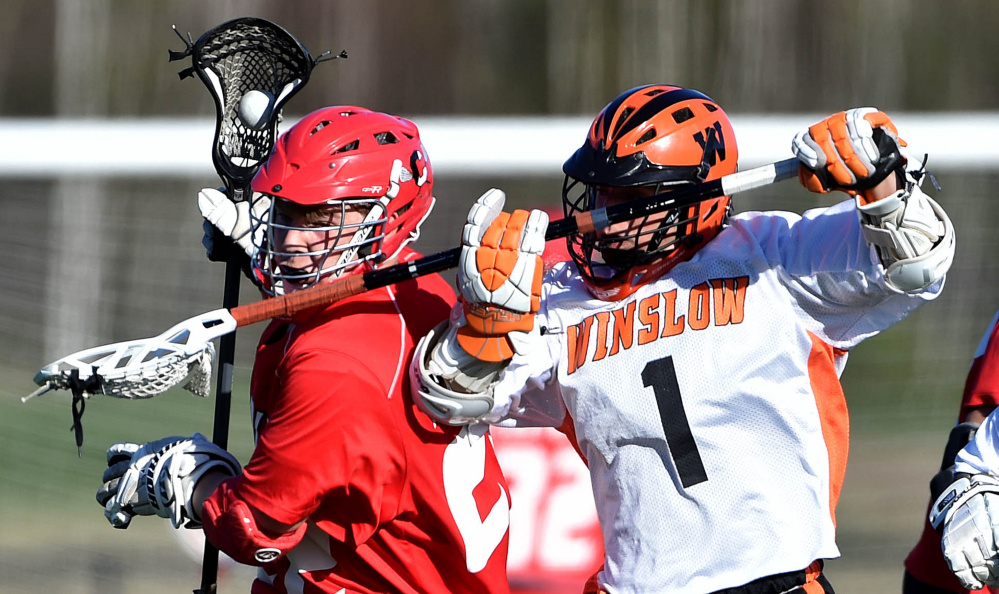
(708, 403)
(393, 503)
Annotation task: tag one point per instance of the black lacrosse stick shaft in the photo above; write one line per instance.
(223, 404)
(233, 59)
(557, 229)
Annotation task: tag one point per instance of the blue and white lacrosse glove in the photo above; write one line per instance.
(158, 478)
(967, 513)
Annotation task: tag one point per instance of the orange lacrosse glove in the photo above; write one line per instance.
(851, 151)
(499, 277)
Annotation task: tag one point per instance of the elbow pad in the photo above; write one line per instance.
(448, 384)
(913, 236)
(230, 526)
(960, 436)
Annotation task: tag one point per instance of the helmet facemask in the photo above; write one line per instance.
(298, 246)
(611, 255)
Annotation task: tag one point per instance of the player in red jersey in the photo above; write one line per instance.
(350, 488)
(926, 572)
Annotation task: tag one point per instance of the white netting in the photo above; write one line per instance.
(168, 372)
(135, 379)
(144, 368)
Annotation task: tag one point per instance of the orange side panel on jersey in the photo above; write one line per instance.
(831, 404)
(812, 573)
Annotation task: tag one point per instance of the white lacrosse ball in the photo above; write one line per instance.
(255, 109)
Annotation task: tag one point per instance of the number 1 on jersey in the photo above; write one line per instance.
(660, 375)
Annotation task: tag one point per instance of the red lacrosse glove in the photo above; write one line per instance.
(499, 277)
(851, 151)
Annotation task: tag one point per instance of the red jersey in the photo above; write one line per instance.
(393, 503)
(981, 389)
(555, 539)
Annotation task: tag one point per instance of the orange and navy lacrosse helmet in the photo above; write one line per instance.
(648, 140)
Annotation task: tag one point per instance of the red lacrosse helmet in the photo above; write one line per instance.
(342, 156)
(648, 140)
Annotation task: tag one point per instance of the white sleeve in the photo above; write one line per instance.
(981, 455)
(833, 276)
(526, 394)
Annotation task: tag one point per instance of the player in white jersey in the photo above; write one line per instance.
(926, 570)
(967, 511)
(693, 359)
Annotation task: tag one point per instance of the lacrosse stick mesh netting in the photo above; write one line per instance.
(250, 56)
(135, 370)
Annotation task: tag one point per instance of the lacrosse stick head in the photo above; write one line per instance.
(143, 368)
(252, 67)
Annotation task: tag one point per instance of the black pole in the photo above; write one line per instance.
(557, 229)
(223, 400)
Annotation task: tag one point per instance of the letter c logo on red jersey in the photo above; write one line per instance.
(267, 555)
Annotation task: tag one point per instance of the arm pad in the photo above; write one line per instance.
(230, 526)
(960, 435)
(448, 384)
(913, 236)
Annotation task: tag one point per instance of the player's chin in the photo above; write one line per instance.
(291, 283)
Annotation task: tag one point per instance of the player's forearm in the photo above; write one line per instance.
(204, 488)
(887, 187)
(449, 385)
(269, 526)
(912, 234)
(981, 455)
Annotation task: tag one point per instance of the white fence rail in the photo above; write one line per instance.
(457, 145)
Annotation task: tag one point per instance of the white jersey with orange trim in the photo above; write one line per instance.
(708, 404)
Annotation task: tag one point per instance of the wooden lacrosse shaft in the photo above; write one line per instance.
(327, 293)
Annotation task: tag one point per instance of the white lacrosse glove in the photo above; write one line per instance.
(450, 385)
(158, 478)
(968, 513)
(499, 277)
(842, 151)
(232, 219)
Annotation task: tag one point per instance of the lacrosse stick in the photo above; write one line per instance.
(145, 368)
(251, 67)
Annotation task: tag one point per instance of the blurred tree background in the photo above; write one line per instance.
(108, 57)
(133, 264)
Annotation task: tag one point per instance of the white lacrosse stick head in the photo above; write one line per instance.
(147, 367)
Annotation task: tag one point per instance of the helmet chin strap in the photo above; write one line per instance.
(378, 211)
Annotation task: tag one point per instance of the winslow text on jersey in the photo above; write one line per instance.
(716, 302)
